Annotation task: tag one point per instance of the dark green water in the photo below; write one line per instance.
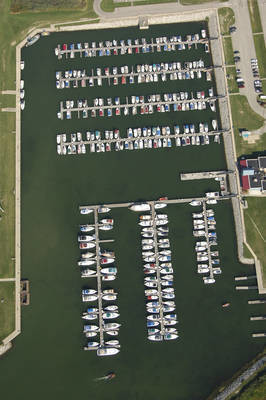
(47, 360)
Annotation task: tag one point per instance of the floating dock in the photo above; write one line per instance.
(257, 301)
(244, 278)
(247, 287)
(259, 318)
(256, 335)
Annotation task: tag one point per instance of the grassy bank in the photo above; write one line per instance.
(244, 118)
(228, 50)
(109, 5)
(255, 222)
(226, 19)
(260, 53)
(255, 389)
(40, 5)
(231, 80)
(7, 309)
(254, 14)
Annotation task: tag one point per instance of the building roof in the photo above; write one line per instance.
(245, 182)
(262, 162)
(253, 163)
(253, 173)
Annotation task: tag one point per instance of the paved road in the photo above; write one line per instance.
(240, 7)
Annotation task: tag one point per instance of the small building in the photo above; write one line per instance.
(253, 175)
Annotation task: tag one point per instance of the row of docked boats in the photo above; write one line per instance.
(133, 46)
(98, 263)
(141, 73)
(204, 225)
(137, 139)
(158, 276)
(22, 90)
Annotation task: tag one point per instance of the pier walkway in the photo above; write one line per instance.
(99, 281)
(207, 239)
(157, 263)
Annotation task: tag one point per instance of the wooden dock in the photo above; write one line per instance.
(99, 278)
(259, 301)
(204, 175)
(244, 278)
(254, 287)
(258, 318)
(258, 335)
(207, 238)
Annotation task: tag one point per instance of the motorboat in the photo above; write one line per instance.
(147, 247)
(147, 253)
(111, 326)
(152, 323)
(203, 270)
(166, 265)
(153, 304)
(107, 260)
(168, 277)
(150, 259)
(108, 277)
(195, 203)
(146, 223)
(151, 284)
(112, 343)
(87, 245)
(208, 280)
(145, 217)
(111, 308)
(147, 241)
(168, 295)
(140, 207)
(153, 331)
(168, 290)
(147, 234)
(109, 270)
(154, 317)
(106, 227)
(107, 351)
(91, 310)
(89, 291)
(90, 328)
(148, 229)
(158, 206)
(164, 258)
(166, 271)
(170, 330)
(90, 316)
(87, 228)
(165, 252)
(87, 273)
(107, 253)
(91, 346)
(86, 210)
(149, 292)
(91, 334)
(170, 336)
(169, 322)
(161, 216)
(157, 337)
(110, 315)
(168, 308)
(90, 297)
(109, 297)
(112, 333)
(108, 221)
(88, 255)
(109, 291)
(102, 210)
(86, 238)
(86, 262)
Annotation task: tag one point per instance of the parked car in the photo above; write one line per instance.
(232, 29)
(236, 59)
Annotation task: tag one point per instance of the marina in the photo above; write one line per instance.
(52, 191)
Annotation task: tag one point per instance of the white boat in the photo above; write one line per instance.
(195, 203)
(207, 280)
(149, 292)
(108, 277)
(152, 331)
(151, 284)
(88, 255)
(89, 291)
(90, 316)
(170, 336)
(161, 222)
(203, 270)
(111, 326)
(114, 342)
(147, 253)
(147, 241)
(169, 322)
(145, 217)
(156, 337)
(153, 310)
(165, 252)
(89, 297)
(158, 206)
(168, 290)
(107, 260)
(108, 221)
(92, 345)
(86, 238)
(87, 228)
(165, 271)
(87, 245)
(86, 273)
(147, 247)
(140, 207)
(161, 216)
(154, 317)
(168, 308)
(146, 223)
(106, 227)
(168, 295)
(109, 297)
(86, 210)
(103, 210)
(107, 351)
(91, 334)
(109, 271)
(149, 259)
(86, 262)
(148, 229)
(111, 308)
(112, 333)
(110, 315)
(90, 328)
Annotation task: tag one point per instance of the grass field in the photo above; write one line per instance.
(255, 389)
(255, 222)
(188, 2)
(40, 5)
(109, 5)
(245, 118)
(254, 14)
(261, 53)
(246, 252)
(228, 50)
(7, 309)
(226, 18)
(231, 80)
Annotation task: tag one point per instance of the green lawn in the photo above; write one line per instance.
(261, 53)
(256, 213)
(226, 19)
(39, 5)
(7, 100)
(254, 389)
(109, 5)
(254, 16)
(264, 86)
(246, 252)
(228, 51)
(231, 80)
(7, 309)
(245, 118)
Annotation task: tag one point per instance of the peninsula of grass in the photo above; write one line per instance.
(231, 80)
(226, 19)
(260, 53)
(254, 14)
(228, 51)
(7, 309)
(255, 223)
(244, 118)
